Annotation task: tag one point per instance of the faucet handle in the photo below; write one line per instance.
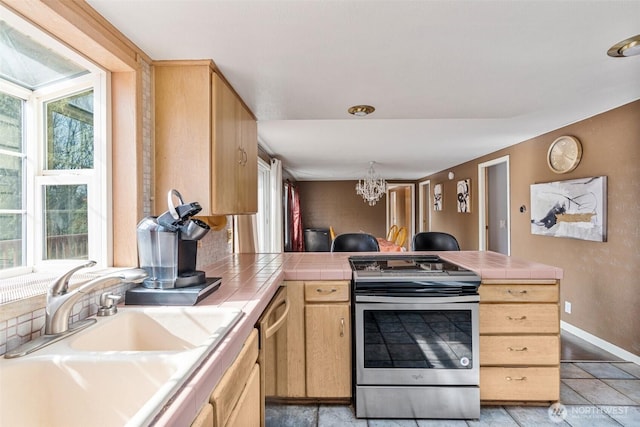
(108, 304)
(61, 284)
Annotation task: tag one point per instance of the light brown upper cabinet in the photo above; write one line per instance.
(206, 140)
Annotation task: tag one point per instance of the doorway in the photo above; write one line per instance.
(424, 203)
(401, 209)
(494, 200)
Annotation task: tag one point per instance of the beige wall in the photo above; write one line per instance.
(335, 203)
(601, 280)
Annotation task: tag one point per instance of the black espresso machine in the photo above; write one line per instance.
(167, 251)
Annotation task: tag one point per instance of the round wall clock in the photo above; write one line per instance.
(564, 154)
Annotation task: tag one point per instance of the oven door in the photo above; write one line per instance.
(417, 341)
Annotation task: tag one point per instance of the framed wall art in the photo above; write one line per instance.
(437, 197)
(575, 208)
(464, 195)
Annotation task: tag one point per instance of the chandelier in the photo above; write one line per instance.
(372, 188)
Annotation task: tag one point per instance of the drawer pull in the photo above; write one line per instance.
(512, 292)
(516, 379)
(330, 291)
(342, 327)
(517, 349)
(517, 318)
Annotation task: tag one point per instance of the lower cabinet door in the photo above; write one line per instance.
(246, 413)
(205, 417)
(328, 350)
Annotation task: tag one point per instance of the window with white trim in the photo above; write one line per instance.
(53, 153)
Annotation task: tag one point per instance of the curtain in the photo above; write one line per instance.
(276, 214)
(294, 216)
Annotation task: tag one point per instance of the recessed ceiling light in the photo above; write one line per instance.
(628, 47)
(361, 110)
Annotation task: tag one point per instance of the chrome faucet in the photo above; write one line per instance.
(60, 301)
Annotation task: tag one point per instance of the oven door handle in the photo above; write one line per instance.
(417, 299)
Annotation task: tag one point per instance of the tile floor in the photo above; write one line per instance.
(597, 389)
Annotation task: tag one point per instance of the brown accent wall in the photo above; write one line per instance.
(336, 204)
(601, 280)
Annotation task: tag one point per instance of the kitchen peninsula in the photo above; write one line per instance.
(249, 281)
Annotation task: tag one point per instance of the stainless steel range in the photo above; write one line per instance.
(416, 338)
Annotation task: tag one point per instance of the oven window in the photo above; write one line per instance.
(439, 339)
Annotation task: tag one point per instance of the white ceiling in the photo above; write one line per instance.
(450, 80)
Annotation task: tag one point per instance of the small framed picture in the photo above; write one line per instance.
(464, 195)
(437, 197)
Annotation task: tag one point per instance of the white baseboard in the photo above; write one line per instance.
(605, 345)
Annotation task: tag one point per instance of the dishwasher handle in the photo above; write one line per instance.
(278, 302)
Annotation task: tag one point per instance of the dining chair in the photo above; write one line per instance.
(393, 233)
(434, 241)
(401, 237)
(355, 242)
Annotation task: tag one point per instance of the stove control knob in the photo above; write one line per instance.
(464, 361)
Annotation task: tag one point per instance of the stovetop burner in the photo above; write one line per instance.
(407, 264)
(423, 275)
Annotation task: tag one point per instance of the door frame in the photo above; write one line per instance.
(412, 222)
(422, 205)
(482, 202)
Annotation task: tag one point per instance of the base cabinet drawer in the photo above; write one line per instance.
(519, 350)
(519, 319)
(337, 291)
(519, 293)
(519, 384)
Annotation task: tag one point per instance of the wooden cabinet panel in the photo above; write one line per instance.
(519, 293)
(183, 149)
(328, 350)
(247, 411)
(226, 394)
(326, 291)
(205, 140)
(204, 417)
(519, 350)
(519, 384)
(284, 363)
(519, 318)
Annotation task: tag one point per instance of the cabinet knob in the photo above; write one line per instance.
(342, 326)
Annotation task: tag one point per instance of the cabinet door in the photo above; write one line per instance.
(328, 350)
(225, 147)
(182, 133)
(247, 166)
(247, 411)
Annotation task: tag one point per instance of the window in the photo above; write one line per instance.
(53, 149)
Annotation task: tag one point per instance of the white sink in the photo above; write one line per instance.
(71, 391)
(120, 371)
(157, 329)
